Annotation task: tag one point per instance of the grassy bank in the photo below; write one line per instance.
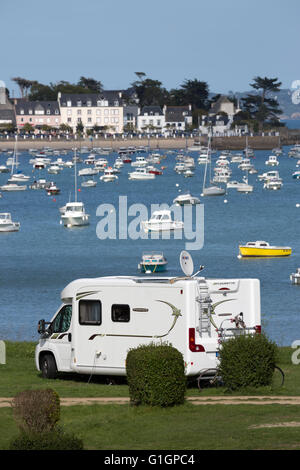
(112, 427)
(19, 373)
(186, 427)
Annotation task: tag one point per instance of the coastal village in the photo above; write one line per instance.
(110, 112)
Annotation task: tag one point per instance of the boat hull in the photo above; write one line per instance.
(79, 221)
(13, 227)
(255, 252)
(153, 268)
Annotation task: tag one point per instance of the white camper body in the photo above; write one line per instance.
(102, 318)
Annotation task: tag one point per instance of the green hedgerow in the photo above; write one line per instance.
(56, 439)
(155, 375)
(247, 361)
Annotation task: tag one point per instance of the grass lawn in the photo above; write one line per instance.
(19, 373)
(180, 428)
(185, 427)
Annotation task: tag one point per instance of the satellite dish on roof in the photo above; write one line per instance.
(186, 263)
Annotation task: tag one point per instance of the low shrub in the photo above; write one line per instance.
(56, 439)
(247, 361)
(155, 375)
(36, 411)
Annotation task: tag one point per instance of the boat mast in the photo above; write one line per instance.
(75, 158)
(205, 171)
(14, 161)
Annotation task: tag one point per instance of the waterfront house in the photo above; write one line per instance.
(102, 110)
(177, 118)
(151, 119)
(37, 114)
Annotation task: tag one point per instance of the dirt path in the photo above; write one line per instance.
(240, 400)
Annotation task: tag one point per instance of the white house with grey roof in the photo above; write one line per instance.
(103, 110)
(151, 119)
(177, 118)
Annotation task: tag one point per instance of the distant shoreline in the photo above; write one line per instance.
(219, 143)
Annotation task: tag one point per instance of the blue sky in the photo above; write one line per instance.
(225, 43)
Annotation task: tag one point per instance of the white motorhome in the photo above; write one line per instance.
(102, 318)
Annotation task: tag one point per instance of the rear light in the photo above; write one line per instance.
(192, 343)
(258, 329)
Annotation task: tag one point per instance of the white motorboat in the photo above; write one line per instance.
(140, 162)
(245, 165)
(272, 161)
(18, 178)
(88, 172)
(221, 176)
(188, 173)
(6, 224)
(54, 169)
(119, 163)
(13, 187)
(273, 184)
(203, 158)
(89, 183)
(141, 174)
(4, 169)
(41, 163)
(222, 161)
(295, 277)
(90, 160)
(68, 164)
(161, 221)
(108, 176)
(101, 164)
(40, 184)
(237, 158)
(270, 175)
(186, 199)
(180, 167)
(52, 189)
(241, 187)
(74, 215)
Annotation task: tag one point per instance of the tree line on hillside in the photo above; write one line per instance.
(258, 109)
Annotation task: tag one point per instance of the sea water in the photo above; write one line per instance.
(39, 260)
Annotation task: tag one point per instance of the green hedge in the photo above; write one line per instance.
(54, 440)
(155, 375)
(247, 361)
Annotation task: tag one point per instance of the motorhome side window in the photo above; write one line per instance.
(90, 312)
(120, 313)
(62, 321)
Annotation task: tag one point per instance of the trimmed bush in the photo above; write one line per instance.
(36, 411)
(53, 440)
(247, 361)
(155, 375)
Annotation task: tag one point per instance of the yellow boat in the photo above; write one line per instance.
(263, 249)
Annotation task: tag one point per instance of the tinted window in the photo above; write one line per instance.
(120, 313)
(90, 312)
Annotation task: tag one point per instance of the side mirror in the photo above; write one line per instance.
(41, 327)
